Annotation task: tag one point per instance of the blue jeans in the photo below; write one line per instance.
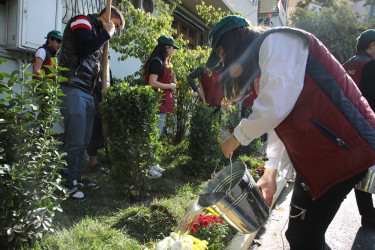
(161, 122)
(78, 110)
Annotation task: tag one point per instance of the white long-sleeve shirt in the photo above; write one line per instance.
(282, 61)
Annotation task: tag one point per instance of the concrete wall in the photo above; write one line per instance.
(248, 8)
(365, 12)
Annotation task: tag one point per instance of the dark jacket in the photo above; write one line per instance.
(354, 66)
(84, 70)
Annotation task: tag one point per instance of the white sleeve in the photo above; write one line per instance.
(282, 61)
(275, 149)
(41, 53)
(278, 156)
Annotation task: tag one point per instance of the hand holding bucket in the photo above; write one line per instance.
(267, 184)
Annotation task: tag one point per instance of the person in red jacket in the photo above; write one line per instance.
(44, 54)
(308, 105)
(42, 58)
(209, 82)
(361, 67)
(159, 76)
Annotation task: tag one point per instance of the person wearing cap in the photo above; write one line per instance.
(42, 58)
(44, 54)
(361, 67)
(81, 52)
(307, 104)
(159, 76)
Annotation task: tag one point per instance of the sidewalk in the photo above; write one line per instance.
(344, 233)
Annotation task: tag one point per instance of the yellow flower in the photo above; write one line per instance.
(198, 244)
(210, 210)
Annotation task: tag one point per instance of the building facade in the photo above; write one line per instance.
(24, 25)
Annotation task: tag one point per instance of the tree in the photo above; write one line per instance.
(335, 26)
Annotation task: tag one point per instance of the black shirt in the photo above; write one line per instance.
(368, 83)
(155, 68)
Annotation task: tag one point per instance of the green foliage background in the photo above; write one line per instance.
(336, 26)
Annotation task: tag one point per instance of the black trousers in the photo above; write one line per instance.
(309, 218)
(364, 203)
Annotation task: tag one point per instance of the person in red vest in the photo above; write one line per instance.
(209, 82)
(42, 58)
(44, 54)
(306, 103)
(159, 76)
(361, 67)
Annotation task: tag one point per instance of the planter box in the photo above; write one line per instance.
(243, 241)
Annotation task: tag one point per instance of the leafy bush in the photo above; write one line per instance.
(30, 157)
(204, 144)
(130, 114)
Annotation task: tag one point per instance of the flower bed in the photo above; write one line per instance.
(208, 232)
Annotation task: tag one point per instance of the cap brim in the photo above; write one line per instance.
(176, 47)
(213, 60)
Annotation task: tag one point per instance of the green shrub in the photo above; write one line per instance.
(204, 143)
(130, 114)
(30, 158)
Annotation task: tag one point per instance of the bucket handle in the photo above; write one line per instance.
(214, 173)
(230, 180)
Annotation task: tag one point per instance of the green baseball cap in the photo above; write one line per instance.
(368, 35)
(167, 40)
(223, 26)
(55, 34)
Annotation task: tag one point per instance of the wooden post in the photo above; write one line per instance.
(105, 68)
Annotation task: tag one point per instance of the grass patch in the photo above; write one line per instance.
(89, 233)
(107, 220)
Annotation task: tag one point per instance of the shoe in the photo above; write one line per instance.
(98, 168)
(75, 193)
(86, 183)
(158, 168)
(154, 174)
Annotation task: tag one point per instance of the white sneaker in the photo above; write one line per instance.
(158, 168)
(154, 174)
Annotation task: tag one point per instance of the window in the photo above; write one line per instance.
(148, 5)
(188, 31)
(73, 8)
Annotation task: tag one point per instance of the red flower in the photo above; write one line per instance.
(205, 223)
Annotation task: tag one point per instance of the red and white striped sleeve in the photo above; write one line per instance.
(81, 22)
